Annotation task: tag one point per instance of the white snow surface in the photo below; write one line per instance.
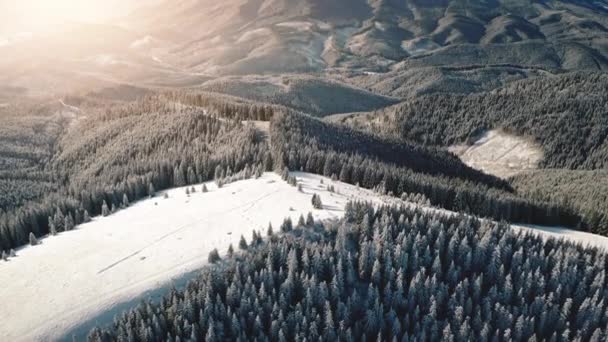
(83, 277)
(500, 154)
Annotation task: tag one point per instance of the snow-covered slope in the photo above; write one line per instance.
(500, 154)
(50, 289)
(81, 278)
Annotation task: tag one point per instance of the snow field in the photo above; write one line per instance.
(500, 154)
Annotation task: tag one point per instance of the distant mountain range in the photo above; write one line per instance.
(187, 42)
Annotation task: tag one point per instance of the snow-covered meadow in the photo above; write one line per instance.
(84, 277)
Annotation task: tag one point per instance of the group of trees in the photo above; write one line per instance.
(583, 191)
(130, 151)
(386, 274)
(296, 144)
(566, 114)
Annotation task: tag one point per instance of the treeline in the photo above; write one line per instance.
(305, 131)
(391, 274)
(566, 114)
(583, 191)
(296, 145)
(223, 105)
(133, 150)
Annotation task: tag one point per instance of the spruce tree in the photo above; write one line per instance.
(125, 201)
(151, 190)
(310, 221)
(269, 231)
(52, 228)
(86, 218)
(301, 222)
(214, 256)
(69, 222)
(105, 211)
(33, 239)
(205, 188)
(243, 243)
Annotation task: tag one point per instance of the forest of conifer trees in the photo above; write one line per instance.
(386, 274)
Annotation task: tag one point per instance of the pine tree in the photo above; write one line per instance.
(125, 201)
(166, 195)
(86, 218)
(33, 239)
(105, 211)
(214, 256)
(269, 231)
(310, 221)
(230, 251)
(301, 222)
(243, 243)
(205, 188)
(287, 225)
(69, 222)
(151, 190)
(52, 228)
(316, 202)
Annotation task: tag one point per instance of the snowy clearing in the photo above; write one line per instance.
(118, 258)
(112, 263)
(500, 154)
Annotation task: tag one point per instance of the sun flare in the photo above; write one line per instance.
(42, 15)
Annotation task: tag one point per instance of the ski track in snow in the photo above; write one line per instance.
(84, 277)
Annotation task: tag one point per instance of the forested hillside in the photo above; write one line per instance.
(566, 114)
(295, 145)
(28, 132)
(126, 152)
(388, 274)
(585, 191)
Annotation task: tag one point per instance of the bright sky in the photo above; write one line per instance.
(36, 15)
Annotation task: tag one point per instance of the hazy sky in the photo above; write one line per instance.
(36, 15)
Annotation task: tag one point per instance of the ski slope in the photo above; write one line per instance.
(81, 278)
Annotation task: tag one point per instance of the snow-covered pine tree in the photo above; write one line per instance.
(243, 243)
(52, 227)
(214, 256)
(33, 239)
(151, 190)
(287, 225)
(301, 222)
(125, 201)
(205, 188)
(310, 221)
(105, 210)
(69, 222)
(316, 202)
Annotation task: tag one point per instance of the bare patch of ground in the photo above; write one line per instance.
(500, 154)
